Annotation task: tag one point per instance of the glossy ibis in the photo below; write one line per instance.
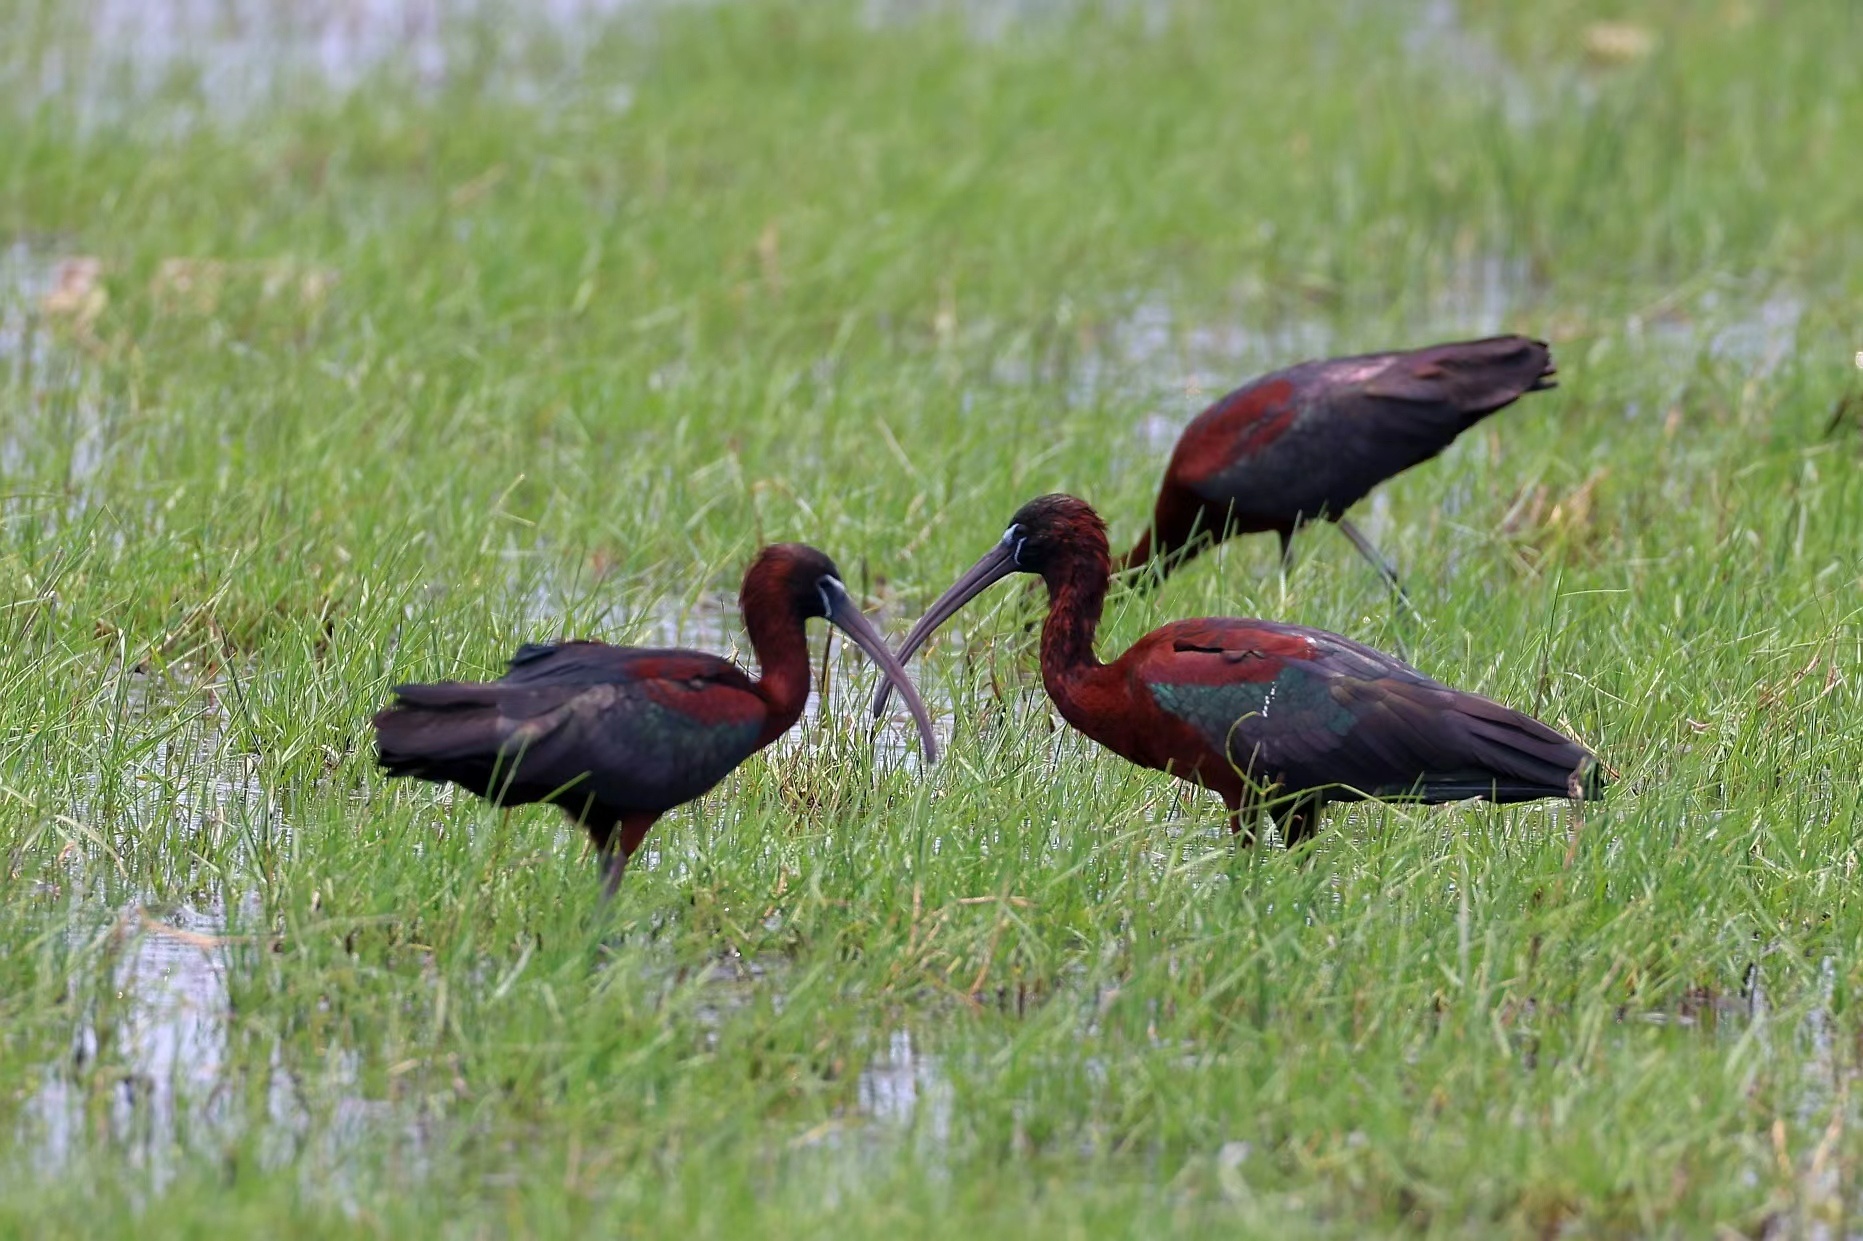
(1308, 442)
(1253, 709)
(619, 735)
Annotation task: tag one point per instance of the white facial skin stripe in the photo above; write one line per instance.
(827, 588)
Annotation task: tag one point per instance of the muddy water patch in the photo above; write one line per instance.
(181, 776)
(903, 1105)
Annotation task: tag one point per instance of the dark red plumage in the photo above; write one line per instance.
(617, 735)
(1256, 709)
(1310, 441)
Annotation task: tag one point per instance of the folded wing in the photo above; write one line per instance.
(1305, 709)
(635, 729)
(1315, 438)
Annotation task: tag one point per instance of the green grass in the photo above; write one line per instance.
(550, 346)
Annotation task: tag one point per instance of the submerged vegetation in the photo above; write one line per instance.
(340, 352)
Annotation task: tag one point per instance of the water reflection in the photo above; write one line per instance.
(903, 1084)
(157, 1042)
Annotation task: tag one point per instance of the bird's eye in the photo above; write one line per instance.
(829, 589)
(1013, 539)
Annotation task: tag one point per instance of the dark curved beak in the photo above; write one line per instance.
(998, 563)
(852, 622)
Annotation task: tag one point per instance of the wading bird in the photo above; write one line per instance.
(619, 735)
(1258, 711)
(1308, 442)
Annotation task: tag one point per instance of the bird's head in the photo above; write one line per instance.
(1051, 531)
(796, 578)
(1055, 536)
(801, 583)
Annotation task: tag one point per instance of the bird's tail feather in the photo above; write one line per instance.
(1475, 377)
(1524, 758)
(431, 727)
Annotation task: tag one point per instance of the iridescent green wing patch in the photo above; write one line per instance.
(1247, 718)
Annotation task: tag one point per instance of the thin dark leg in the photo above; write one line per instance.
(610, 859)
(614, 853)
(1385, 568)
(611, 865)
(1302, 819)
(1369, 551)
(1244, 817)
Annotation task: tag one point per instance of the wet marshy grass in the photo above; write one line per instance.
(500, 328)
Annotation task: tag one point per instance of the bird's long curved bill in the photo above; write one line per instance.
(998, 563)
(851, 621)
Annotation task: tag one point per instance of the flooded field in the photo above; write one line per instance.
(353, 345)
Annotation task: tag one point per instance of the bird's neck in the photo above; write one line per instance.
(1076, 595)
(1140, 553)
(782, 647)
(1182, 528)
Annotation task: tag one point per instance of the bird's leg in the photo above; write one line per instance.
(619, 847)
(1244, 816)
(1369, 551)
(1302, 819)
(611, 864)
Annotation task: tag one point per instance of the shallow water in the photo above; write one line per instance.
(148, 1078)
(1440, 40)
(49, 300)
(214, 61)
(165, 1039)
(904, 1085)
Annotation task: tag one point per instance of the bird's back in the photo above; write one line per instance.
(1310, 709)
(1312, 440)
(637, 729)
